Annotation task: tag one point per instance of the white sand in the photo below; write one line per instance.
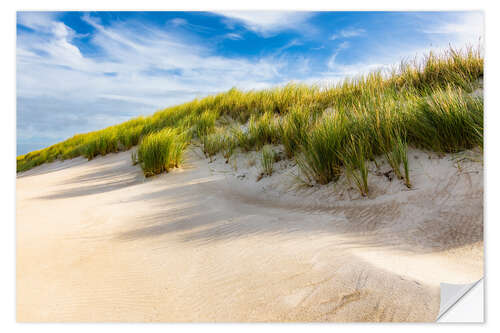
(98, 242)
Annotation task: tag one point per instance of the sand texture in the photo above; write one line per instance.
(96, 241)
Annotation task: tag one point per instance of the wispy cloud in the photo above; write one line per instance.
(150, 69)
(461, 28)
(183, 23)
(177, 22)
(266, 23)
(338, 71)
(233, 36)
(332, 61)
(40, 21)
(348, 33)
(292, 43)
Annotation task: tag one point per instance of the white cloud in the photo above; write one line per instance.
(234, 36)
(177, 22)
(40, 21)
(140, 69)
(332, 61)
(462, 28)
(457, 30)
(292, 43)
(348, 33)
(266, 23)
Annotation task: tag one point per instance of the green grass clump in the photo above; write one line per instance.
(320, 160)
(229, 146)
(241, 138)
(294, 130)
(459, 68)
(447, 121)
(263, 130)
(267, 159)
(161, 151)
(129, 136)
(354, 158)
(205, 123)
(397, 154)
(220, 140)
(101, 144)
(213, 143)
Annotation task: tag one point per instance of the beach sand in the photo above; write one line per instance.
(96, 241)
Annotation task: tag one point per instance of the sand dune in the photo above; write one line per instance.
(96, 241)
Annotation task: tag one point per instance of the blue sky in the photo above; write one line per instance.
(82, 71)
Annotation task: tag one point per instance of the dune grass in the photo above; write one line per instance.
(267, 159)
(205, 123)
(214, 142)
(320, 159)
(263, 130)
(354, 159)
(328, 130)
(447, 121)
(396, 154)
(161, 151)
(294, 130)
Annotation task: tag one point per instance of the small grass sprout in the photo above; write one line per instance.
(267, 159)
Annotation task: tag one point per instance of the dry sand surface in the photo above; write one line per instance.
(96, 241)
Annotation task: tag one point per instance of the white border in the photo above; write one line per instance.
(7, 165)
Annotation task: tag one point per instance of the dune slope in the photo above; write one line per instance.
(96, 241)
